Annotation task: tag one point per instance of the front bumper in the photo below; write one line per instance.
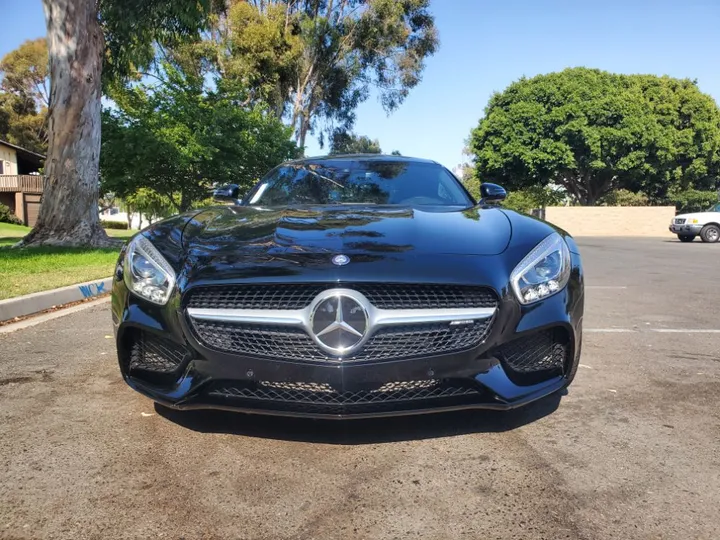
(479, 378)
(687, 228)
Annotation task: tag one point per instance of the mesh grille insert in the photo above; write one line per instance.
(254, 296)
(295, 344)
(543, 351)
(149, 352)
(324, 394)
(424, 296)
(259, 340)
(381, 295)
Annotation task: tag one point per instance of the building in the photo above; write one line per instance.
(21, 184)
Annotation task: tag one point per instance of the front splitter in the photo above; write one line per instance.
(497, 393)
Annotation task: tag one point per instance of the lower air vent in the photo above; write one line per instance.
(149, 352)
(323, 398)
(542, 352)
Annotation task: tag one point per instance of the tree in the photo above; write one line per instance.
(316, 60)
(343, 142)
(24, 96)
(25, 71)
(147, 203)
(177, 138)
(81, 36)
(591, 132)
(466, 173)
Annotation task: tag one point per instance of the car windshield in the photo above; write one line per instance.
(714, 208)
(391, 182)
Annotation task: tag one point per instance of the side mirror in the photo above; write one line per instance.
(229, 193)
(491, 193)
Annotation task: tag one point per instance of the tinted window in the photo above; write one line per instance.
(359, 182)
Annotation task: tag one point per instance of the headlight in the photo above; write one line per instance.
(147, 273)
(543, 272)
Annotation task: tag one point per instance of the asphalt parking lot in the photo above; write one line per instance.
(632, 450)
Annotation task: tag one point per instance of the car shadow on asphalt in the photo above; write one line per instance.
(358, 432)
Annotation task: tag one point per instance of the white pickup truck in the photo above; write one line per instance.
(705, 224)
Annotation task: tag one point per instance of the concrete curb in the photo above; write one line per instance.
(40, 301)
(45, 317)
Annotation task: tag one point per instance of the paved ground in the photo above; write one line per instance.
(631, 452)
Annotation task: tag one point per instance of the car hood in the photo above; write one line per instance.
(347, 229)
(695, 215)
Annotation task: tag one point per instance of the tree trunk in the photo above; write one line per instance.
(129, 218)
(302, 132)
(69, 211)
(184, 202)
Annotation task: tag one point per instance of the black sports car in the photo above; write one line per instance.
(350, 286)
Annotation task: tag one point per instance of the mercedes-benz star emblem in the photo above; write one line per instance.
(340, 260)
(339, 323)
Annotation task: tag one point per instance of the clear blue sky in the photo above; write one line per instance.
(485, 45)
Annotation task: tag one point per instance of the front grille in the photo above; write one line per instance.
(323, 398)
(381, 295)
(679, 221)
(540, 352)
(281, 342)
(149, 352)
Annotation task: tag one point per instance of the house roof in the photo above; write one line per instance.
(25, 154)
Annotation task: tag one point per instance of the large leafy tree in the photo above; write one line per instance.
(24, 96)
(316, 60)
(591, 132)
(89, 40)
(177, 136)
(343, 142)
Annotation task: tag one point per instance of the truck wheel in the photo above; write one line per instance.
(710, 233)
(686, 237)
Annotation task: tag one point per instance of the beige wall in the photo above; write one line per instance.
(9, 159)
(612, 220)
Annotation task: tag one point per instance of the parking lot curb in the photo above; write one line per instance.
(40, 301)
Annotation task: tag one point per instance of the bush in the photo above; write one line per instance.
(527, 200)
(114, 225)
(6, 215)
(625, 197)
(693, 200)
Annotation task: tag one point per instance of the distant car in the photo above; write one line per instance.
(704, 224)
(350, 286)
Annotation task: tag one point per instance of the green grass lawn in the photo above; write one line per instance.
(31, 270)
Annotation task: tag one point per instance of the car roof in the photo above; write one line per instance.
(363, 157)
